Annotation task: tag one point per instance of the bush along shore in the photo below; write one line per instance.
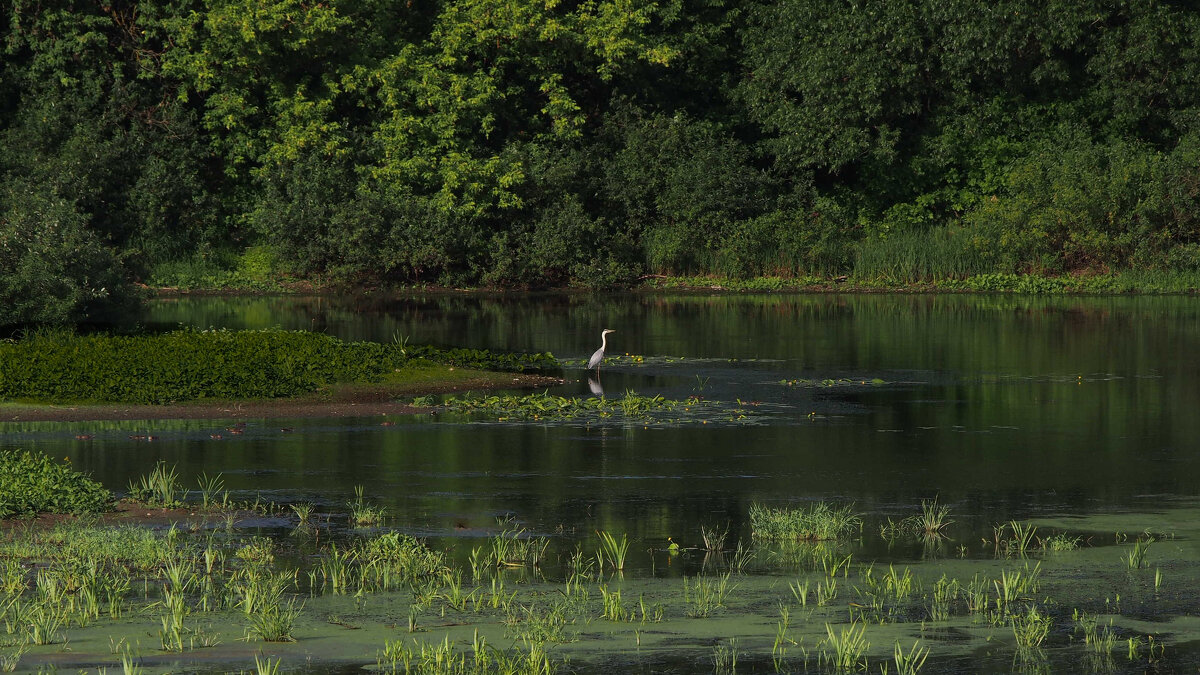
(190, 365)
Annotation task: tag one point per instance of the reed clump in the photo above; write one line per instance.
(820, 521)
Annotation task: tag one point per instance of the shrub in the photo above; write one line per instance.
(53, 268)
(33, 483)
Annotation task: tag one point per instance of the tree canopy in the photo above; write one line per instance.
(542, 142)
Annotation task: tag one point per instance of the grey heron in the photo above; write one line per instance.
(594, 362)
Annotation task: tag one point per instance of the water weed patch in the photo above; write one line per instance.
(192, 365)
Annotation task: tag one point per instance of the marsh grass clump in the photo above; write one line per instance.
(704, 595)
(819, 522)
(387, 562)
(612, 552)
(363, 514)
(714, 537)
(32, 483)
(161, 487)
(1059, 543)
(514, 546)
(845, 651)
(1017, 544)
(1031, 628)
(1135, 557)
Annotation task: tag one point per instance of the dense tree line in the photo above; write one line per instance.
(544, 142)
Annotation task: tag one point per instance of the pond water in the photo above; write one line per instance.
(1076, 414)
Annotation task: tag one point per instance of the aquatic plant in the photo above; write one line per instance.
(11, 658)
(179, 366)
(933, 517)
(826, 591)
(545, 406)
(945, 592)
(363, 514)
(1060, 542)
(161, 487)
(1135, 557)
(614, 609)
(32, 483)
(273, 620)
(515, 547)
(819, 521)
(714, 538)
(210, 487)
(612, 552)
(1101, 639)
(703, 595)
(303, 511)
(845, 651)
(910, 663)
(263, 665)
(725, 658)
(1031, 628)
(1019, 544)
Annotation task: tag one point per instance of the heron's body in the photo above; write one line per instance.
(594, 362)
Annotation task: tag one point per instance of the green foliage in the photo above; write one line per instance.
(32, 483)
(819, 521)
(587, 143)
(191, 365)
(53, 269)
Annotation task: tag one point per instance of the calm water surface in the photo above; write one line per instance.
(1002, 407)
(1005, 407)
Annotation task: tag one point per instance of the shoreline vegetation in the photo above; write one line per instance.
(1128, 282)
(589, 144)
(59, 375)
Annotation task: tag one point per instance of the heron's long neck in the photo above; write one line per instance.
(603, 340)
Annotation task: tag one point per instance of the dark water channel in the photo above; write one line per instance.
(1058, 410)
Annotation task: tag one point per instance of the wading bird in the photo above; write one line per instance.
(594, 362)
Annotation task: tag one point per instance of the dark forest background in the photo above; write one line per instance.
(534, 143)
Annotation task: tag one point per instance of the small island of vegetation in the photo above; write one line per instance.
(188, 372)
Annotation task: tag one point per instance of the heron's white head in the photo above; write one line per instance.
(607, 331)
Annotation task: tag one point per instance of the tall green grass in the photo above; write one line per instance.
(819, 521)
(919, 256)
